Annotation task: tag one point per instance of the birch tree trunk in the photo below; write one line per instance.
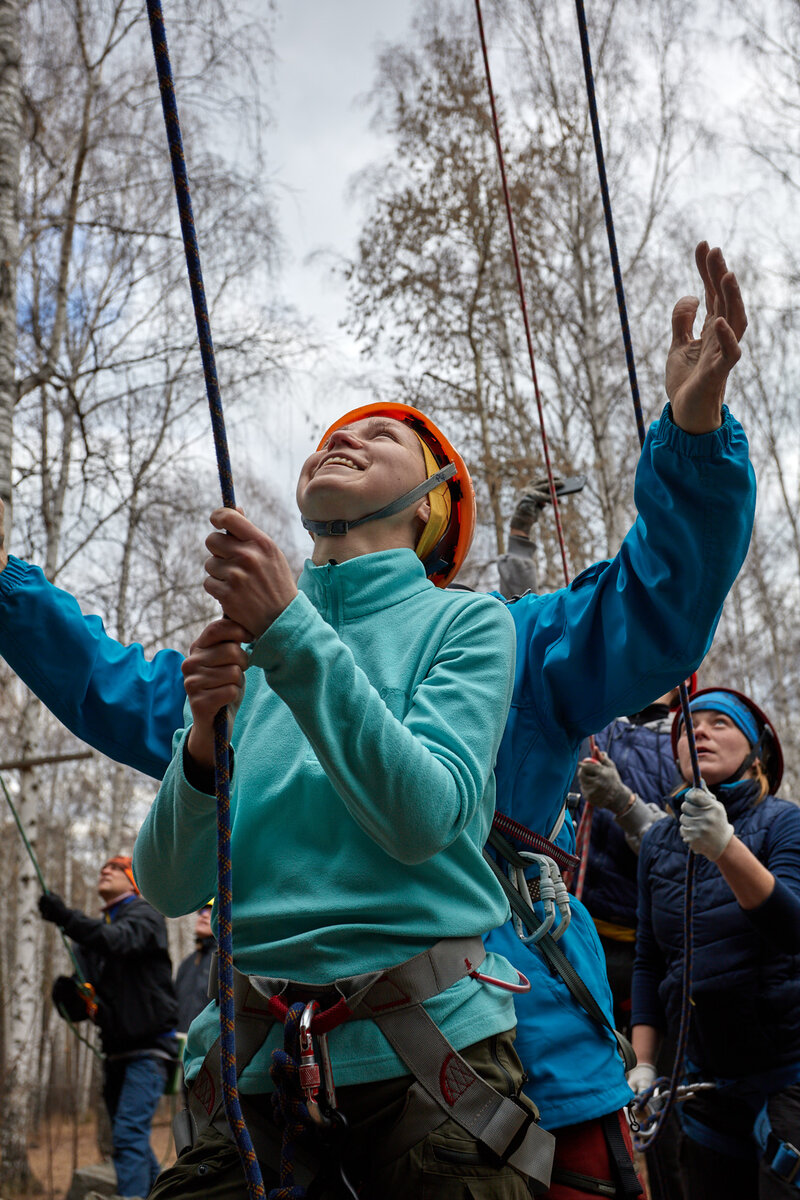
(22, 1056)
(10, 135)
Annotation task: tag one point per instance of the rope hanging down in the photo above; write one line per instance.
(233, 1110)
(521, 290)
(688, 929)
(626, 336)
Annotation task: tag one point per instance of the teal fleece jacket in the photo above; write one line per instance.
(361, 799)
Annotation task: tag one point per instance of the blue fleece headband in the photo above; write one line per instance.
(732, 707)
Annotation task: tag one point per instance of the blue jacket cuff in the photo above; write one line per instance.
(695, 445)
(14, 573)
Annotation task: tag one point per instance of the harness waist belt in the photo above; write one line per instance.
(445, 1083)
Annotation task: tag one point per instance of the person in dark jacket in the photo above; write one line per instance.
(124, 958)
(740, 1139)
(191, 981)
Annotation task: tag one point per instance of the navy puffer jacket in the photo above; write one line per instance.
(642, 753)
(746, 967)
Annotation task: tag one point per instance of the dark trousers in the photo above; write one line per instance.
(662, 1161)
(707, 1172)
(588, 1162)
(448, 1163)
(131, 1091)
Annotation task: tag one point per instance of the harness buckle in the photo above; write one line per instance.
(786, 1162)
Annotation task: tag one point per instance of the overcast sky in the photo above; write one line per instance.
(320, 136)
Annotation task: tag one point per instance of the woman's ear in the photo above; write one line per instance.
(423, 512)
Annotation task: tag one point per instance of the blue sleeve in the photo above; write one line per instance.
(648, 967)
(778, 918)
(630, 629)
(107, 694)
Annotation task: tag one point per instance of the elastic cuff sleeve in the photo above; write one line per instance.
(695, 445)
(13, 574)
(778, 918)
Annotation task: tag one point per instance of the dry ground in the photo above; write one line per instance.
(58, 1146)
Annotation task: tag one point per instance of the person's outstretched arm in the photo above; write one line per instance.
(627, 629)
(109, 695)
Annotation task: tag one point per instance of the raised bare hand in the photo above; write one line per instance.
(698, 368)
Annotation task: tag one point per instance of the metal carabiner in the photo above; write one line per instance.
(309, 1068)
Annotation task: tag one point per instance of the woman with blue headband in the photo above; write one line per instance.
(742, 1138)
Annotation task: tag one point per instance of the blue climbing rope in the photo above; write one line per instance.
(288, 1106)
(230, 1092)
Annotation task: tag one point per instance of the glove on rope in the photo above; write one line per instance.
(530, 505)
(641, 1077)
(704, 823)
(602, 786)
(53, 908)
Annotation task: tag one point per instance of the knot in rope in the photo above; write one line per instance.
(288, 1107)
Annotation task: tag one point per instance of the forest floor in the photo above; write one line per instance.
(59, 1145)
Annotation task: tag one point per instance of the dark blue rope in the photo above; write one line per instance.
(688, 930)
(233, 1111)
(612, 240)
(289, 1109)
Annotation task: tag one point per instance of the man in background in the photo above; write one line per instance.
(131, 998)
(191, 981)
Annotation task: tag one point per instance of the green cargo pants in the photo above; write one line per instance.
(448, 1163)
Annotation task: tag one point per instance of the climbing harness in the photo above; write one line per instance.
(525, 916)
(447, 535)
(445, 1085)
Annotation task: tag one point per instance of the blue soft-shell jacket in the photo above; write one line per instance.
(623, 632)
(745, 999)
(643, 756)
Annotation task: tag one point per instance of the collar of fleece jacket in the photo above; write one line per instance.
(365, 584)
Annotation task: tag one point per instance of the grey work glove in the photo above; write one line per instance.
(641, 1077)
(602, 786)
(704, 823)
(636, 820)
(531, 504)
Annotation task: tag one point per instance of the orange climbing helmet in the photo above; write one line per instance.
(447, 536)
(125, 863)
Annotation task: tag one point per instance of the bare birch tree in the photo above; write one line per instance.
(107, 395)
(433, 285)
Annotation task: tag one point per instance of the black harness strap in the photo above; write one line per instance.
(627, 1180)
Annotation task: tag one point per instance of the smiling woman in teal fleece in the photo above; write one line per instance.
(364, 748)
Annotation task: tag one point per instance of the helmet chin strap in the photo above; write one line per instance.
(341, 527)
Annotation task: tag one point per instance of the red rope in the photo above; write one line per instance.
(521, 290)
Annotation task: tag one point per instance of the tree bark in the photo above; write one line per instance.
(10, 138)
(22, 1056)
